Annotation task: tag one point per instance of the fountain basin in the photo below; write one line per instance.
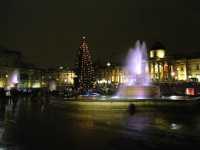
(139, 92)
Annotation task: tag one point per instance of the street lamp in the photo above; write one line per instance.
(173, 74)
(108, 64)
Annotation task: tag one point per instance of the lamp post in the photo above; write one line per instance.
(108, 64)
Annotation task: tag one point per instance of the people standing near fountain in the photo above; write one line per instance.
(14, 97)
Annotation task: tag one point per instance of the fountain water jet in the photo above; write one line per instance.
(137, 83)
(13, 78)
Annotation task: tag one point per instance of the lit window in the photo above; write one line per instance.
(160, 53)
(151, 54)
(182, 69)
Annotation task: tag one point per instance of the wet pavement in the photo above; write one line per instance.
(37, 127)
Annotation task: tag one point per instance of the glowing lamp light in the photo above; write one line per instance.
(109, 82)
(103, 81)
(175, 126)
(173, 74)
(108, 64)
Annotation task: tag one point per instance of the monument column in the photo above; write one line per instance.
(158, 64)
(163, 75)
(154, 71)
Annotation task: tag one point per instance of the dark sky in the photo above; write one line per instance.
(48, 31)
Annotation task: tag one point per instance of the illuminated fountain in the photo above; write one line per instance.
(137, 83)
(13, 78)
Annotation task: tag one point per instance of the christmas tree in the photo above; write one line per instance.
(84, 70)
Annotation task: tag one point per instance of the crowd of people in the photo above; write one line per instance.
(13, 95)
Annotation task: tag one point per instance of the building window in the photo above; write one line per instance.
(197, 67)
(151, 54)
(182, 69)
(160, 53)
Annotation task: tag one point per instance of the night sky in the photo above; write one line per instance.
(48, 32)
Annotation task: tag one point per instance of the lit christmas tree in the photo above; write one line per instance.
(84, 70)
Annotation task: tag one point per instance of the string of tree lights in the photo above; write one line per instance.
(84, 70)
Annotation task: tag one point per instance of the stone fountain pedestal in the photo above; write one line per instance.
(139, 92)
